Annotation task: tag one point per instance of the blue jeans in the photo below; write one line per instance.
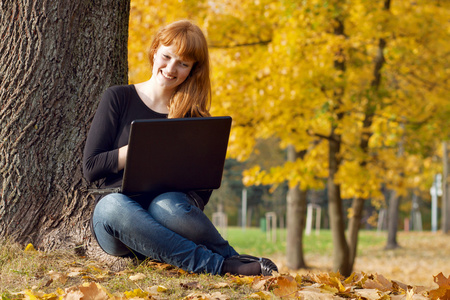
(171, 230)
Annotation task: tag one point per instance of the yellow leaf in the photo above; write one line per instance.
(29, 248)
(242, 280)
(156, 289)
(29, 295)
(137, 293)
(287, 287)
(261, 295)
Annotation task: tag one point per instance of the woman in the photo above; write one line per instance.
(171, 228)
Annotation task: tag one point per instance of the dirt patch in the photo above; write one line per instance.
(422, 255)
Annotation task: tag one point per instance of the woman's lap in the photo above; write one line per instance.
(121, 224)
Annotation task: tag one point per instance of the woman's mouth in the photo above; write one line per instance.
(167, 75)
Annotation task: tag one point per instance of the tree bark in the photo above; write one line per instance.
(335, 211)
(445, 190)
(296, 220)
(56, 59)
(394, 204)
(335, 208)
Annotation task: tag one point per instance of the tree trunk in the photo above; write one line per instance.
(358, 203)
(445, 190)
(394, 204)
(335, 211)
(296, 219)
(354, 226)
(56, 59)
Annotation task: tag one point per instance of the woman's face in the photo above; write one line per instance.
(169, 69)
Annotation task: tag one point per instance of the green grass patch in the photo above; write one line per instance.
(256, 242)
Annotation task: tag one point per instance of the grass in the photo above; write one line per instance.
(255, 241)
(422, 256)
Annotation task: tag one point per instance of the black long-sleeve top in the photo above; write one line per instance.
(110, 129)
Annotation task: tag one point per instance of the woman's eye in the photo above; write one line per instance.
(166, 56)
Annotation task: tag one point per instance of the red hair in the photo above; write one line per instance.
(192, 97)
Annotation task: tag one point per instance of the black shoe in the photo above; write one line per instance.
(267, 266)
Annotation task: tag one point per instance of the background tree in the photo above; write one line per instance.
(56, 59)
(344, 72)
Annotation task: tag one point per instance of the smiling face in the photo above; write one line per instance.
(169, 70)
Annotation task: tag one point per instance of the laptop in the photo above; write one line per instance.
(186, 154)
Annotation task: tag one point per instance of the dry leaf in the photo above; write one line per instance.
(58, 276)
(138, 276)
(378, 282)
(73, 295)
(241, 280)
(261, 295)
(191, 285)
(93, 291)
(157, 289)
(260, 283)
(221, 285)
(198, 296)
(443, 292)
(287, 287)
(219, 296)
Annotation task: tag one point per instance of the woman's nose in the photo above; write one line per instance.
(171, 66)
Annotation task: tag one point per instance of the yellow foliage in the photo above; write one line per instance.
(274, 71)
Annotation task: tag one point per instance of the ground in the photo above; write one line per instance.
(421, 256)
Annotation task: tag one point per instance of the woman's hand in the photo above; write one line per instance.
(122, 157)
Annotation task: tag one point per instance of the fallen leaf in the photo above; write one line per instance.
(443, 291)
(138, 276)
(261, 295)
(73, 295)
(93, 291)
(260, 283)
(378, 282)
(219, 296)
(241, 280)
(58, 276)
(137, 293)
(221, 285)
(157, 289)
(30, 248)
(287, 287)
(313, 293)
(191, 285)
(198, 296)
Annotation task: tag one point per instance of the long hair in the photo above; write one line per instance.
(193, 97)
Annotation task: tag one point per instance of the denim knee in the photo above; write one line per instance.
(177, 212)
(108, 214)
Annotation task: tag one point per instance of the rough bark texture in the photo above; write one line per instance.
(56, 59)
(296, 220)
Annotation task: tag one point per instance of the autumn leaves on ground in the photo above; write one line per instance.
(418, 270)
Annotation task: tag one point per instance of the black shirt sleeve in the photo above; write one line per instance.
(100, 157)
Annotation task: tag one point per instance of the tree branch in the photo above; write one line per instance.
(240, 45)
